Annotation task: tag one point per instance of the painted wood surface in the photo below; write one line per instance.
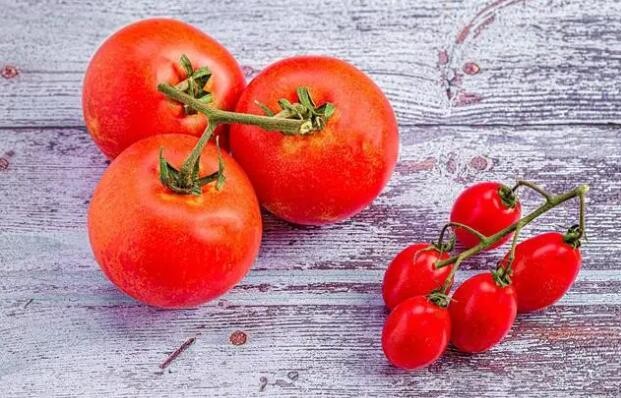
(484, 89)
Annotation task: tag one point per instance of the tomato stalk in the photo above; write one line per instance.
(187, 179)
(300, 118)
(551, 201)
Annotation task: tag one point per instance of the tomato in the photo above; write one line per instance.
(120, 100)
(544, 268)
(482, 313)
(482, 207)
(416, 333)
(166, 249)
(413, 273)
(334, 173)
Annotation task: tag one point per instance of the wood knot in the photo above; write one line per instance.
(478, 163)
(4, 164)
(9, 71)
(238, 338)
(470, 68)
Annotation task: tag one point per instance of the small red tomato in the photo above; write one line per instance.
(413, 273)
(487, 207)
(120, 99)
(166, 249)
(334, 173)
(482, 313)
(544, 268)
(416, 333)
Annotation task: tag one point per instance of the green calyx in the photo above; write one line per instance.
(508, 196)
(187, 179)
(502, 275)
(573, 235)
(194, 83)
(314, 118)
(439, 298)
(444, 247)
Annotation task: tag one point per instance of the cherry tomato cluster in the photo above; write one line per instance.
(175, 221)
(532, 276)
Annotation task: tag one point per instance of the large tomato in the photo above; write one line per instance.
(167, 249)
(332, 174)
(120, 99)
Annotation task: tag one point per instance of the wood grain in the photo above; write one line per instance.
(483, 89)
(312, 303)
(541, 61)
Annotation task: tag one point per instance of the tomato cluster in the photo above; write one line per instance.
(174, 222)
(532, 276)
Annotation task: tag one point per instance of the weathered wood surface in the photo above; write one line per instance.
(549, 108)
(541, 61)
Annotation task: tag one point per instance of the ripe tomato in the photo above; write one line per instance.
(416, 333)
(413, 273)
(482, 313)
(330, 175)
(544, 268)
(120, 99)
(166, 249)
(482, 207)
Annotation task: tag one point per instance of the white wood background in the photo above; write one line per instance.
(545, 105)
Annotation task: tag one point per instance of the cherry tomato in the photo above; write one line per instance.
(166, 249)
(482, 313)
(482, 207)
(544, 268)
(416, 333)
(413, 273)
(330, 175)
(120, 99)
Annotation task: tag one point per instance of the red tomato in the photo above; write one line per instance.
(482, 208)
(482, 313)
(330, 175)
(120, 99)
(413, 273)
(544, 268)
(416, 333)
(166, 249)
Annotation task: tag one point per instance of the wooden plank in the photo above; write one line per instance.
(466, 62)
(311, 307)
(62, 349)
(52, 172)
(484, 90)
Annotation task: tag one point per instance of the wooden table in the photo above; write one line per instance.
(483, 90)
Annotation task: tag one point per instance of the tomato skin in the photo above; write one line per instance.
(170, 250)
(120, 100)
(481, 207)
(333, 174)
(482, 313)
(412, 273)
(544, 268)
(416, 333)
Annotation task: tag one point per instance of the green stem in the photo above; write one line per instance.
(550, 203)
(463, 226)
(190, 163)
(270, 123)
(446, 286)
(582, 214)
(534, 187)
